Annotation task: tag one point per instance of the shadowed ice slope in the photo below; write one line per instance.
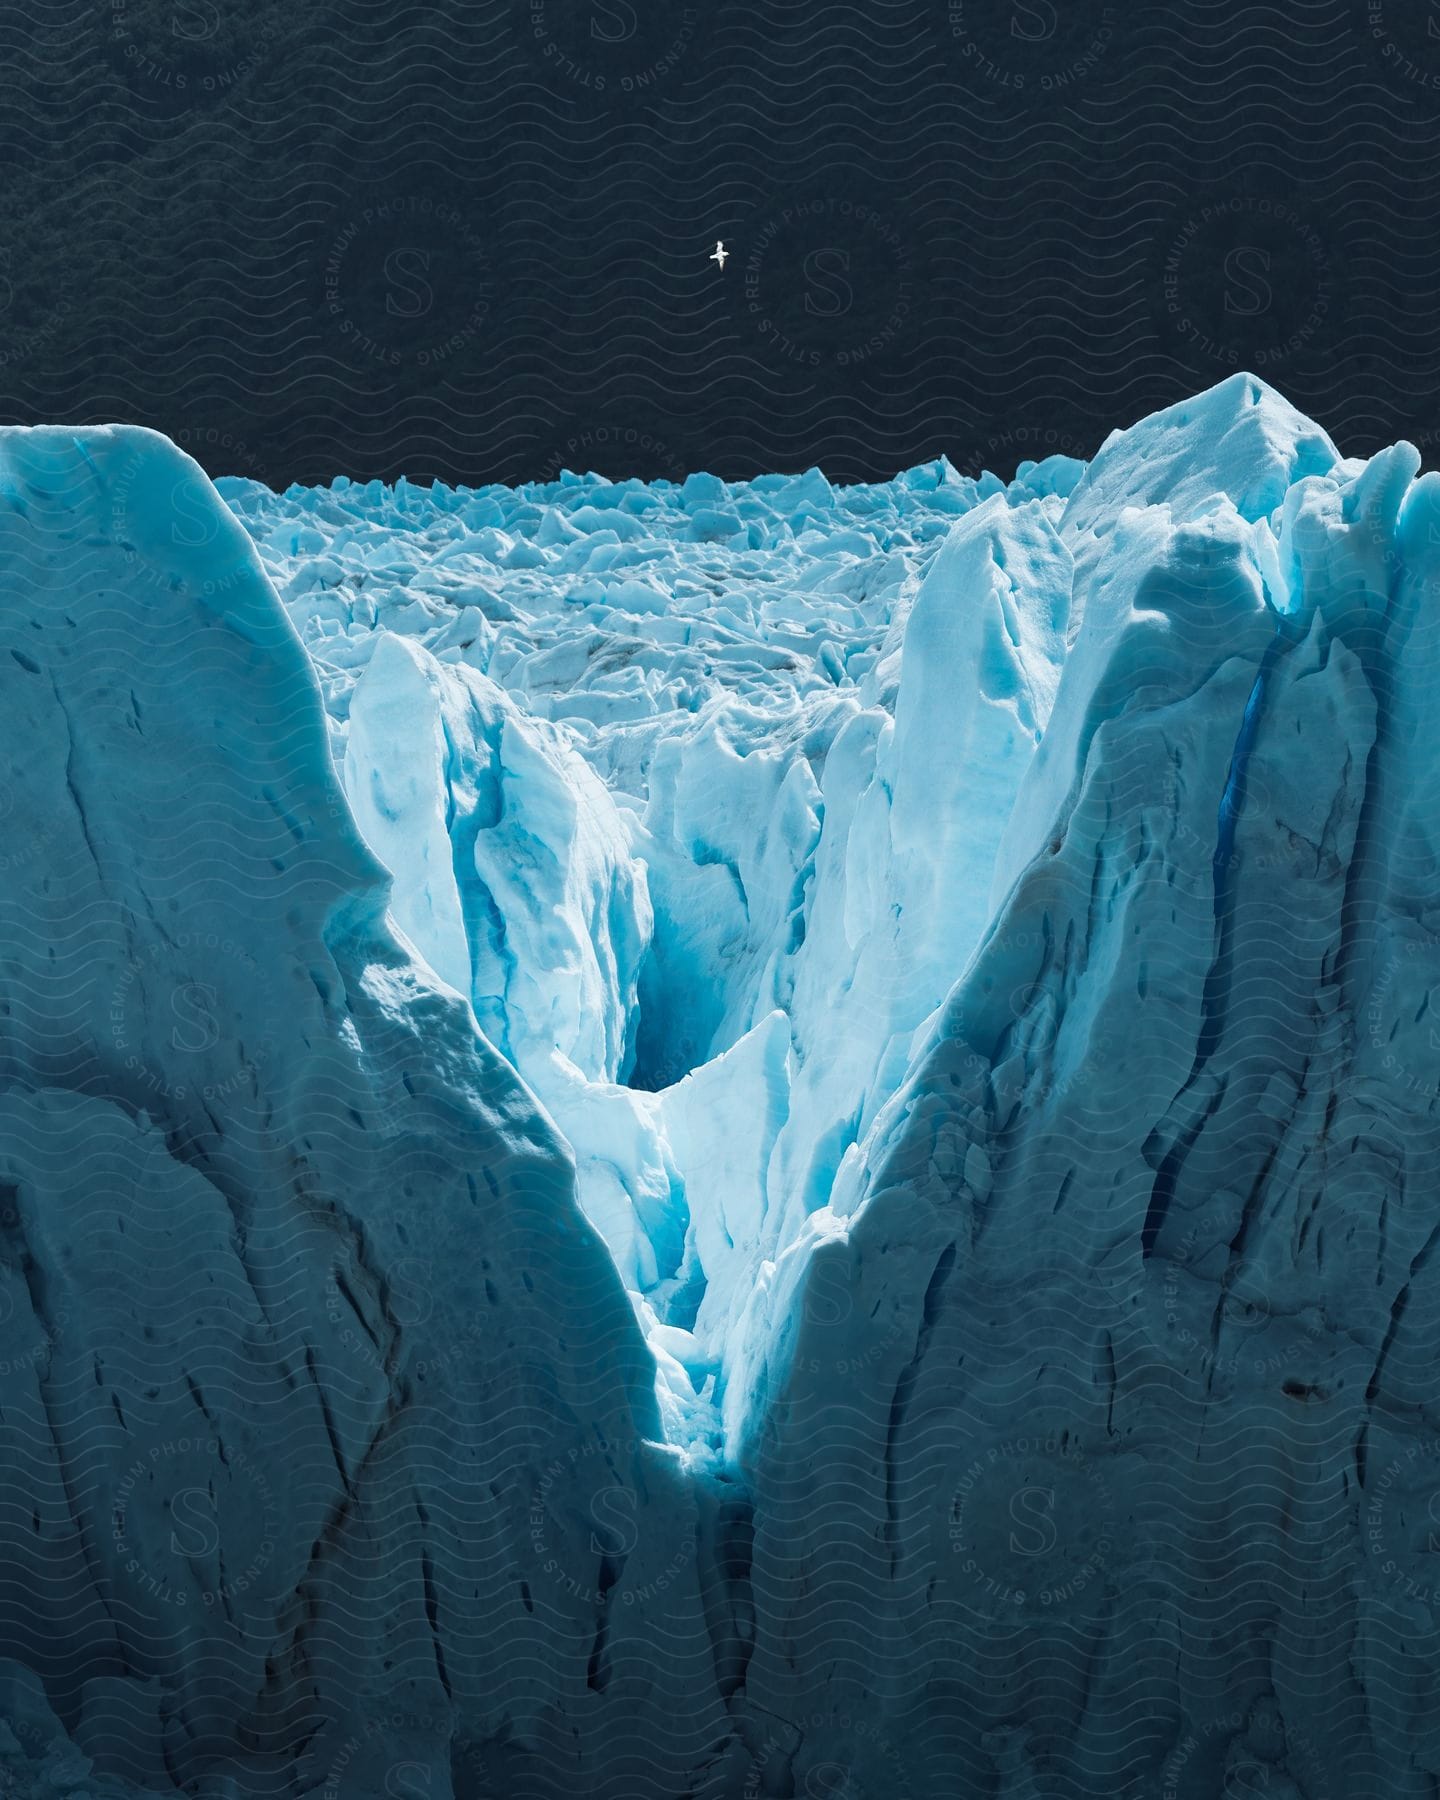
(864, 1222)
(1135, 1269)
(311, 1366)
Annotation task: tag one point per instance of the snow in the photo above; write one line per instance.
(747, 1129)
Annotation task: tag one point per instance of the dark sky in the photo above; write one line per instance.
(470, 239)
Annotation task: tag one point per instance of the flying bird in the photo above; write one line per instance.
(719, 253)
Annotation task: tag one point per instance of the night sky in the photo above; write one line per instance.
(471, 240)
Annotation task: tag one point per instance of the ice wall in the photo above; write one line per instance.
(310, 1368)
(862, 1223)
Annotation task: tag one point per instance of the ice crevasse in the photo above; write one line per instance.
(714, 1138)
(712, 984)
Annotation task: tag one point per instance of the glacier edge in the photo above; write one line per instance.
(752, 1157)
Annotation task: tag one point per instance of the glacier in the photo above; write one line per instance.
(722, 1139)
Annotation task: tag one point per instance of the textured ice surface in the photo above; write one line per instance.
(678, 789)
(856, 1216)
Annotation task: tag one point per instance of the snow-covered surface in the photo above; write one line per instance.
(678, 789)
(855, 1216)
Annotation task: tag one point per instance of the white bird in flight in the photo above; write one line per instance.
(719, 253)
